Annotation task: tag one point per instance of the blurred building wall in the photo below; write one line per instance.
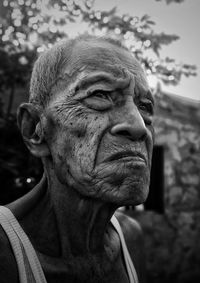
(173, 238)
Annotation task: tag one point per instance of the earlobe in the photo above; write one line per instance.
(28, 118)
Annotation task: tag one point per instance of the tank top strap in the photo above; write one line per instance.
(133, 278)
(29, 267)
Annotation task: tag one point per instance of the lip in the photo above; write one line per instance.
(128, 156)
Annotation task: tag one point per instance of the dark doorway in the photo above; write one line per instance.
(155, 200)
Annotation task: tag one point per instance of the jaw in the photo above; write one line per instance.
(112, 183)
(131, 193)
(124, 184)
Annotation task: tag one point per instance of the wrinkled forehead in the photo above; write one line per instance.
(96, 56)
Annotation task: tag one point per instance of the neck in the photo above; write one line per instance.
(72, 224)
(82, 222)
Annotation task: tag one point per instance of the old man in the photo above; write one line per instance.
(89, 119)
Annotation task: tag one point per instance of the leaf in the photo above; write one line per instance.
(151, 22)
(144, 18)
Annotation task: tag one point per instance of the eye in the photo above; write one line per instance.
(146, 106)
(146, 109)
(101, 94)
(99, 100)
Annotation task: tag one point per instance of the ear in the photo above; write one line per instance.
(28, 118)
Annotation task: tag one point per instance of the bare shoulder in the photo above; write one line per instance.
(133, 235)
(131, 228)
(8, 266)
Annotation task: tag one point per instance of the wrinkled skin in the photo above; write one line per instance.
(90, 123)
(95, 138)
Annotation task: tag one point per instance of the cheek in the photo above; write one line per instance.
(74, 143)
(79, 142)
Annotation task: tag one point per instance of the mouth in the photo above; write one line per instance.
(131, 156)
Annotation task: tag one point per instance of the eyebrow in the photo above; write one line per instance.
(103, 77)
(115, 82)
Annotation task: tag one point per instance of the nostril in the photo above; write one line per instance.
(124, 133)
(127, 134)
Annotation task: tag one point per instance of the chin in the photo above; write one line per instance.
(137, 196)
(126, 191)
(122, 185)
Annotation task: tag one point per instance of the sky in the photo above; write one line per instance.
(181, 19)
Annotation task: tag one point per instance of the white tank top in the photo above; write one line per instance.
(29, 267)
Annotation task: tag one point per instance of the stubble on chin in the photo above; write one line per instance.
(121, 185)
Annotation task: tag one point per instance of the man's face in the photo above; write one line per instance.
(99, 125)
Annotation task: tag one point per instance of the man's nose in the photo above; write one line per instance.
(131, 126)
